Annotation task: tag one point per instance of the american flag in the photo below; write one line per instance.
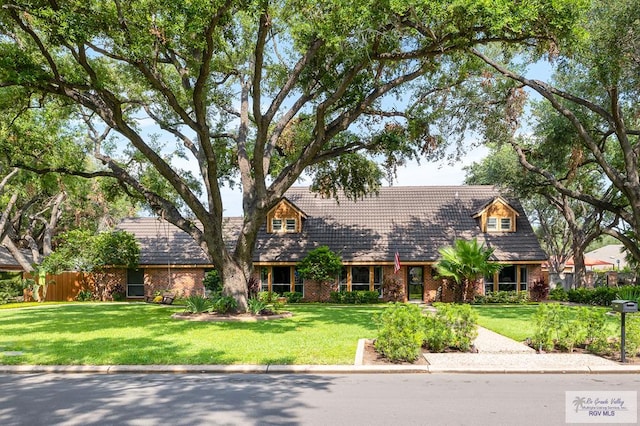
(396, 263)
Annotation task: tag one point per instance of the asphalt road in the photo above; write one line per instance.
(257, 399)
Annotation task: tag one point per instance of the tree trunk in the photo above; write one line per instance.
(235, 279)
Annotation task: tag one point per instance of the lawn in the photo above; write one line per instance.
(112, 334)
(516, 321)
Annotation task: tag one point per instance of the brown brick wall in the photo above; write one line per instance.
(315, 291)
(182, 282)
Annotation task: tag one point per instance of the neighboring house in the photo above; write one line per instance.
(413, 222)
(8, 263)
(608, 257)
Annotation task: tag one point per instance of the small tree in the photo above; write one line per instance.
(321, 265)
(80, 250)
(463, 264)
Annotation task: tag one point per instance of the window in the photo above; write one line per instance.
(298, 282)
(498, 224)
(281, 276)
(343, 279)
(264, 278)
(359, 278)
(290, 225)
(488, 284)
(523, 278)
(507, 279)
(276, 225)
(135, 283)
(377, 279)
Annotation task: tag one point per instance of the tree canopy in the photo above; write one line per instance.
(256, 93)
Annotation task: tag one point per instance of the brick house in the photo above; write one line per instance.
(413, 222)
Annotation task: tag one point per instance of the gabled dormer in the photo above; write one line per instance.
(285, 217)
(497, 216)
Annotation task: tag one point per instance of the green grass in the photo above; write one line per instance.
(516, 321)
(103, 334)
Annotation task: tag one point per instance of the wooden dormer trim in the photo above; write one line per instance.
(284, 213)
(497, 216)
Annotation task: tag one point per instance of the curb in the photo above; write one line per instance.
(304, 369)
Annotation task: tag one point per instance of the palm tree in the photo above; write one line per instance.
(463, 264)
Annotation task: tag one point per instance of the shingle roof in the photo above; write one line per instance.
(414, 221)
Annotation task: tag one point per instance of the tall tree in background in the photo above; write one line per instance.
(258, 92)
(592, 104)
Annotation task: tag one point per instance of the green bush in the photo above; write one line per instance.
(256, 306)
(267, 296)
(224, 304)
(4, 297)
(632, 335)
(565, 328)
(212, 281)
(599, 296)
(462, 320)
(438, 336)
(11, 284)
(629, 292)
(400, 332)
(197, 304)
(506, 297)
(84, 295)
(293, 296)
(354, 297)
(559, 294)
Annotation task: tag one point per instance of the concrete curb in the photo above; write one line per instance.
(306, 369)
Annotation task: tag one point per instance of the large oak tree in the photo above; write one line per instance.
(257, 92)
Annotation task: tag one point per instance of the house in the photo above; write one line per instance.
(413, 222)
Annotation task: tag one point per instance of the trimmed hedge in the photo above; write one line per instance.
(354, 297)
(599, 296)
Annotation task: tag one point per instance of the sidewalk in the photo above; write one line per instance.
(496, 354)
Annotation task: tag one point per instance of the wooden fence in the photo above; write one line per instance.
(66, 287)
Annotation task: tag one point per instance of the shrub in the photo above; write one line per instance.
(354, 297)
(267, 296)
(224, 304)
(632, 335)
(4, 297)
(630, 292)
(539, 290)
(293, 296)
(84, 295)
(320, 264)
(564, 328)
(400, 332)
(600, 296)
(196, 304)
(438, 336)
(559, 294)
(462, 320)
(212, 281)
(256, 306)
(510, 297)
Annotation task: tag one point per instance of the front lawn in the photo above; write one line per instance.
(112, 334)
(516, 321)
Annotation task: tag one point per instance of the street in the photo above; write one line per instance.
(252, 399)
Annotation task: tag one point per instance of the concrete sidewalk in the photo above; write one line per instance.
(496, 354)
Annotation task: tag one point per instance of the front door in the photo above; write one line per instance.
(415, 283)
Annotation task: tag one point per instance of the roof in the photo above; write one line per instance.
(414, 221)
(8, 262)
(612, 253)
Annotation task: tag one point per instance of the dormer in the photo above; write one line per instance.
(285, 217)
(497, 216)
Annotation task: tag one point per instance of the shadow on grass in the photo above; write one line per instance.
(146, 334)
